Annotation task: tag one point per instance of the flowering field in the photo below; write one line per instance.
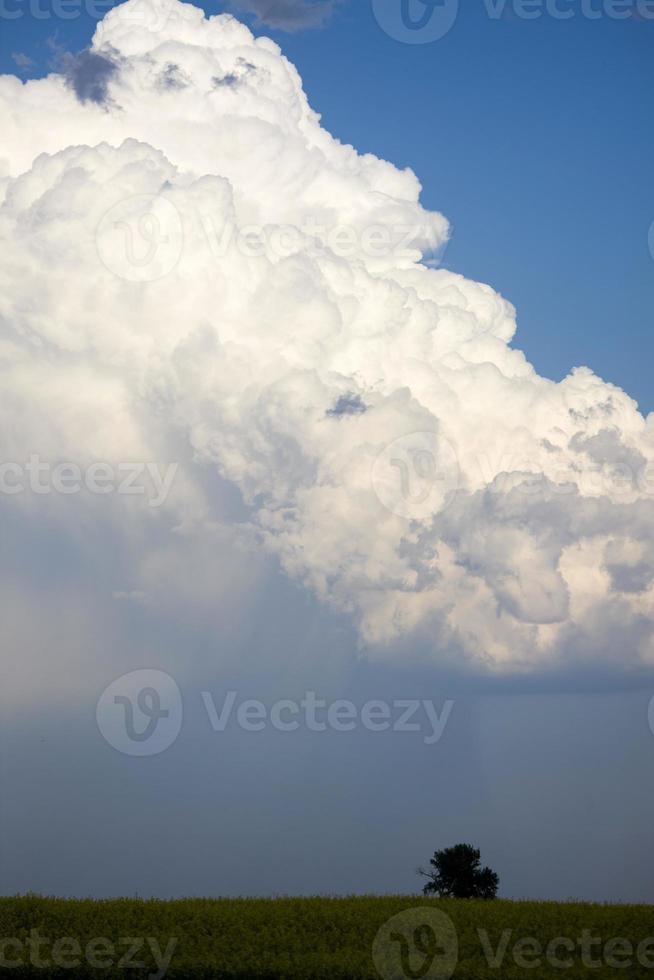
(324, 939)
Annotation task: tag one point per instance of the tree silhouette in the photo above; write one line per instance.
(456, 873)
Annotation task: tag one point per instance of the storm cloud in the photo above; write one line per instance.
(198, 273)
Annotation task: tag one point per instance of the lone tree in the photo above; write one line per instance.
(457, 874)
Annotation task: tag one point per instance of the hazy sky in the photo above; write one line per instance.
(265, 431)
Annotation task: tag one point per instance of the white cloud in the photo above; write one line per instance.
(22, 60)
(195, 271)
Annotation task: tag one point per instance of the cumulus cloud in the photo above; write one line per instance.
(195, 272)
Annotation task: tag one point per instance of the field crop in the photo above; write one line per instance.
(391, 937)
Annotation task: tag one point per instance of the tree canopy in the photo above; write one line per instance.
(456, 872)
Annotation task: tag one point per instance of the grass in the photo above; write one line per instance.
(319, 938)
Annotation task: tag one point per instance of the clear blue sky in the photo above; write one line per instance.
(534, 137)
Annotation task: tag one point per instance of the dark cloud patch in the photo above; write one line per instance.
(288, 15)
(89, 74)
(349, 404)
(631, 579)
(630, 574)
(172, 77)
(228, 81)
(607, 449)
(232, 78)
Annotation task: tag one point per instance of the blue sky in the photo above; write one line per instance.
(533, 137)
